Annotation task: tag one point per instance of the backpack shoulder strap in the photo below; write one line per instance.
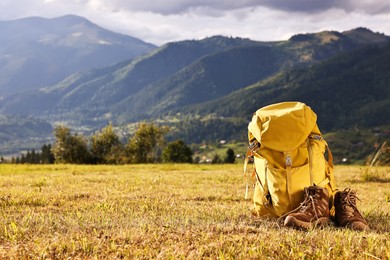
(310, 152)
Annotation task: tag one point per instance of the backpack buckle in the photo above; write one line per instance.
(316, 137)
(254, 145)
(288, 159)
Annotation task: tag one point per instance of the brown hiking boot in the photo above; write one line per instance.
(347, 214)
(313, 211)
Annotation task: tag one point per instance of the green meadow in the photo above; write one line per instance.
(171, 211)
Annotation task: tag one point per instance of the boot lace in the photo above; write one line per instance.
(308, 203)
(348, 202)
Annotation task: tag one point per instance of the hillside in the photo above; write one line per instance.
(46, 51)
(208, 78)
(179, 74)
(348, 90)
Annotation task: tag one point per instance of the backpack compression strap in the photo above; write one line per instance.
(330, 160)
(249, 154)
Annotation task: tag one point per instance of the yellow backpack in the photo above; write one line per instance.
(289, 155)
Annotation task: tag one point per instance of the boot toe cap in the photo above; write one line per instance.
(359, 225)
(293, 221)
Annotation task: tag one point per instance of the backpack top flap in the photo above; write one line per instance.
(283, 126)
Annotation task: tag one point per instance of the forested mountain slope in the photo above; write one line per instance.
(349, 90)
(180, 74)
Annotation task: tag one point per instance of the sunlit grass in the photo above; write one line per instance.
(169, 211)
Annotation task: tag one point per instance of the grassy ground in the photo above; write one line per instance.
(170, 211)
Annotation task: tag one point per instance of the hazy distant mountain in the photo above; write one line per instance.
(37, 52)
(93, 94)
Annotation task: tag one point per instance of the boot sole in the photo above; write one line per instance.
(291, 221)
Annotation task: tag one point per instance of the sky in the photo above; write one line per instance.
(162, 21)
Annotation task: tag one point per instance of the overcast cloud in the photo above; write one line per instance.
(162, 21)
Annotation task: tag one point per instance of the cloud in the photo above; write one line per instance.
(172, 7)
(161, 21)
(216, 8)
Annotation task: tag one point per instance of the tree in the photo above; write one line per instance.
(47, 156)
(34, 157)
(146, 144)
(23, 159)
(106, 147)
(230, 156)
(216, 159)
(69, 148)
(178, 152)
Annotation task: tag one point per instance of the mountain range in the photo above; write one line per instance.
(208, 89)
(37, 52)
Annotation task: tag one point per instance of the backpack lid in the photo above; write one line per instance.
(283, 126)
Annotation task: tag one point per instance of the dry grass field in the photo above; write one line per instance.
(170, 211)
